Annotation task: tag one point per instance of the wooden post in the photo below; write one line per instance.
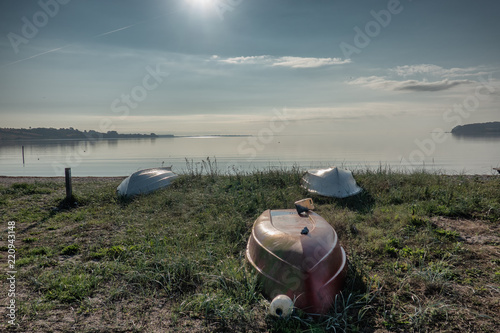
(23, 154)
(69, 188)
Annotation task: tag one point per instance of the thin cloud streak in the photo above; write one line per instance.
(434, 70)
(285, 61)
(359, 110)
(382, 83)
(298, 62)
(413, 85)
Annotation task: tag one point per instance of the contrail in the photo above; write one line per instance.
(130, 26)
(110, 32)
(36, 55)
(93, 37)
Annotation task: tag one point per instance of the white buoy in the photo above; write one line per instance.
(281, 306)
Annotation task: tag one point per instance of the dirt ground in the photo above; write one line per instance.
(472, 231)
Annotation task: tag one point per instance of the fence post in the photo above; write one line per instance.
(69, 187)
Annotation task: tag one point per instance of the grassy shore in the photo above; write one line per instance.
(423, 254)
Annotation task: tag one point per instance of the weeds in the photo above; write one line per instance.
(70, 250)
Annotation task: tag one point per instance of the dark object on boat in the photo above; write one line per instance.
(497, 169)
(299, 256)
(304, 205)
(301, 209)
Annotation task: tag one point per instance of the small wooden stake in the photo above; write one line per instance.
(23, 154)
(69, 187)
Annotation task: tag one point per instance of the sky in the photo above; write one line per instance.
(240, 66)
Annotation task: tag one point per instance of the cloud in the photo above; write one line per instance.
(352, 111)
(252, 60)
(434, 70)
(298, 62)
(407, 70)
(286, 61)
(414, 85)
(264, 115)
(378, 82)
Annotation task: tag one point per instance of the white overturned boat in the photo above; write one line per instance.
(331, 182)
(146, 181)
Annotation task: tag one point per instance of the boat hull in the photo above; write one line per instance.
(146, 181)
(299, 256)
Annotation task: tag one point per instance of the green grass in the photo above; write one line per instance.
(174, 259)
(70, 250)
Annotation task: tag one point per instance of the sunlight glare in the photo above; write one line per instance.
(200, 3)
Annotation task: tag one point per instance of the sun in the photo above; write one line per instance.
(209, 8)
(201, 3)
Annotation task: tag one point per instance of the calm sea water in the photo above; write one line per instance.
(122, 157)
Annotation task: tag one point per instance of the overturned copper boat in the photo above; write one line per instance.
(297, 255)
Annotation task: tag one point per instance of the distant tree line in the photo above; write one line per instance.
(64, 133)
(491, 128)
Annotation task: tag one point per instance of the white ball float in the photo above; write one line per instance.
(281, 306)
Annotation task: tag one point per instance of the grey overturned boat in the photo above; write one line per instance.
(146, 181)
(297, 255)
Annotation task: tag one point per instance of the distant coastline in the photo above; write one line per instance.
(41, 133)
(477, 129)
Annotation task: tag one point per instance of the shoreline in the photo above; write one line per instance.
(9, 180)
